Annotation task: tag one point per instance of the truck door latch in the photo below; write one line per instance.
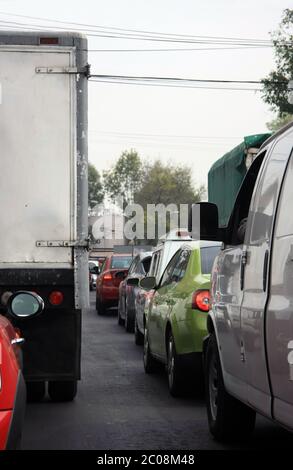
(65, 70)
(64, 244)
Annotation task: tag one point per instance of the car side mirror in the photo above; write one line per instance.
(24, 305)
(148, 283)
(132, 281)
(203, 222)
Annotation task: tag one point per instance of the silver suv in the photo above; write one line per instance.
(249, 351)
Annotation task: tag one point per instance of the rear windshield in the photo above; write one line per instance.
(208, 255)
(121, 262)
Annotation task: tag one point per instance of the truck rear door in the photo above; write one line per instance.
(37, 135)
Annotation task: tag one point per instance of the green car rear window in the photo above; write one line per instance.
(207, 256)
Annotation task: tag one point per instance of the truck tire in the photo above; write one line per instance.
(138, 336)
(60, 391)
(35, 391)
(229, 418)
(175, 370)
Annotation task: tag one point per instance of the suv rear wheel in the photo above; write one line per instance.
(129, 321)
(175, 370)
(229, 419)
(138, 336)
(149, 362)
(120, 320)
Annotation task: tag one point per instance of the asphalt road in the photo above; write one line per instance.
(119, 407)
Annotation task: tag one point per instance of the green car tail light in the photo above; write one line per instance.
(201, 300)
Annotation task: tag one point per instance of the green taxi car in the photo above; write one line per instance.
(175, 323)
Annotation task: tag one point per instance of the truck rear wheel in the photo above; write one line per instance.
(35, 391)
(62, 390)
(229, 418)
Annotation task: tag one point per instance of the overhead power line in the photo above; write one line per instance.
(136, 31)
(130, 36)
(164, 136)
(111, 32)
(210, 84)
(235, 48)
(178, 79)
(166, 85)
(238, 46)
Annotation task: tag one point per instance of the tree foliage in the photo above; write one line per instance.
(95, 190)
(279, 122)
(125, 178)
(276, 94)
(166, 184)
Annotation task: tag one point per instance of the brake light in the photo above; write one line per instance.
(201, 300)
(56, 297)
(107, 277)
(52, 41)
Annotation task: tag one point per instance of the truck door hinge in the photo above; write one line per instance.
(65, 70)
(63, 244)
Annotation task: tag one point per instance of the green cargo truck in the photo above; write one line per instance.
(227, 173)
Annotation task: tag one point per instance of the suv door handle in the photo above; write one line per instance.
(243, 262)
(265, 270)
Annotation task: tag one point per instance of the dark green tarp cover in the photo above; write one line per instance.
(226, 175)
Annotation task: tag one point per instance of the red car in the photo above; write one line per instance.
(12, 385)
(114, 270)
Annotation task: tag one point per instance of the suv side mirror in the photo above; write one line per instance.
(148, 283)
(203, 222)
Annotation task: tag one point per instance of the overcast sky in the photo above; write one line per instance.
(190, 126)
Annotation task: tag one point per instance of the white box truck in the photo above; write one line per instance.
(43, 198)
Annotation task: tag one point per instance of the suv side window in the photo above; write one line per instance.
(284, 224)
(267, 192)
(241, 207)
(167, 275)
(146, 265)
(181, 266)
(155, 264)
(133, 265)
(139, 268)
